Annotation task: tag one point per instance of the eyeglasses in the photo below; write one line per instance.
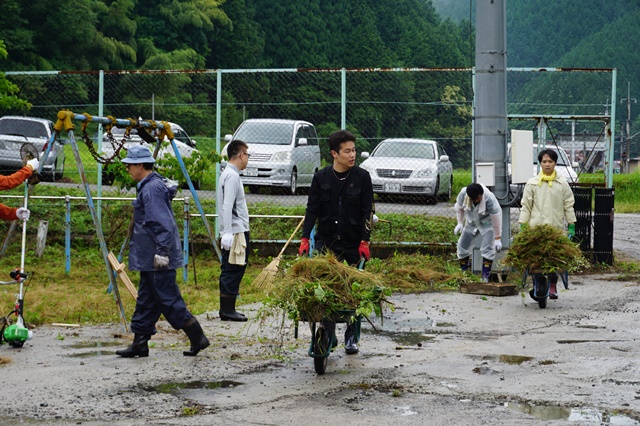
(127, 165)
(247, 154)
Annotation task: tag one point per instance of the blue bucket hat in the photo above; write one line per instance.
(138, 154)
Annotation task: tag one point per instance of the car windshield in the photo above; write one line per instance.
(265, 133)
(405, 150)
(562, 156)
(29, 129)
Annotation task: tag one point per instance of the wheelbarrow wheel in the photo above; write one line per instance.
(320, 347)
(17, 343)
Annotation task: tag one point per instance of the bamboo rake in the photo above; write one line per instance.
(265, 279)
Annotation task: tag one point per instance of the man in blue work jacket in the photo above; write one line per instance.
(155, 251)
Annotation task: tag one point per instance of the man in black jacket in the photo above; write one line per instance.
(341, 201)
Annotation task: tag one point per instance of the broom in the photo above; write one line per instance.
(265, 279)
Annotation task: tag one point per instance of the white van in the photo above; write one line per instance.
(283, 153)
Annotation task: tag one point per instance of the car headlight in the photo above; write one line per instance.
(424, 173)
(371, 169)
(282, 156)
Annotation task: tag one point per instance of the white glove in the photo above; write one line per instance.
(374, 219)
(23, 214)
(34, 164)
(227, 241)
(160, 262)
(458, 229)
(497, 244)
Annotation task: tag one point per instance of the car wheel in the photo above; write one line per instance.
(293, 186)
(447, 195)
(53, 175)
(433, 199)
(253, 189)
(60, 173)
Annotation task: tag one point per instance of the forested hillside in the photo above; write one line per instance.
(225, 34)
(569, 33)
(190, 34)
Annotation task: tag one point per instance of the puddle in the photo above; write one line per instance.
(622, 382)
(483, 357)
(405, 411)
(92, 354)
(175, 387)
(86, 345)
(556, 412)
(514, 359)
(411, 324)
(407, 338)
(508, 359)
(445, 324)
(96, 346)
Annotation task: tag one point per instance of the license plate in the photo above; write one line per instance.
(392, 187)
(251, 172)
(11, 146)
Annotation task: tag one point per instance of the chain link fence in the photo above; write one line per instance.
(413, 126)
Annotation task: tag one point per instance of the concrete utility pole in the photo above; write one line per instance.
(490, 109)
(490, 126)
(624, 155)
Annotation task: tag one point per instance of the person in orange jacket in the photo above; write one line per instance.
(11, 181)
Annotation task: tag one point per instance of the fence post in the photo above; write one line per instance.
(67, 234)
(41, 242)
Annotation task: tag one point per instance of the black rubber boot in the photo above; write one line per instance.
(553, 287)
(139, 347)
(330, 326)
(537, 280)
(228, 309)
(350, 344)
(196, 336)
(486, 269)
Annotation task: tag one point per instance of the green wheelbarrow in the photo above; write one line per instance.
(323, 340)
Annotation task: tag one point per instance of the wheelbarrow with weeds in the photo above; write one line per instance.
(324, 291)
(323, 336)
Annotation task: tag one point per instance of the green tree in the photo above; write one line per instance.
(295, 33)
(180, 24)
(9, 100)
(239, 45)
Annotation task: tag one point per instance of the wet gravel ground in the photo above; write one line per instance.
(439, 359)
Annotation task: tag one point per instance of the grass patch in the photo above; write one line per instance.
(81, 296)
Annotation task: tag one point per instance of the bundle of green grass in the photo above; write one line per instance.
(318, 288)
(544, 249)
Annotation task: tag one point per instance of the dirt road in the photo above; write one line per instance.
(439, 359)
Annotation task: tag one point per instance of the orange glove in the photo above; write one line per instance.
(363, 250)
(304, 247)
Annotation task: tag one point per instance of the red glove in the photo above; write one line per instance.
(363, 250)
(304, 247)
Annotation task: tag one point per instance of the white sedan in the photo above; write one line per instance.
(410, 167)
